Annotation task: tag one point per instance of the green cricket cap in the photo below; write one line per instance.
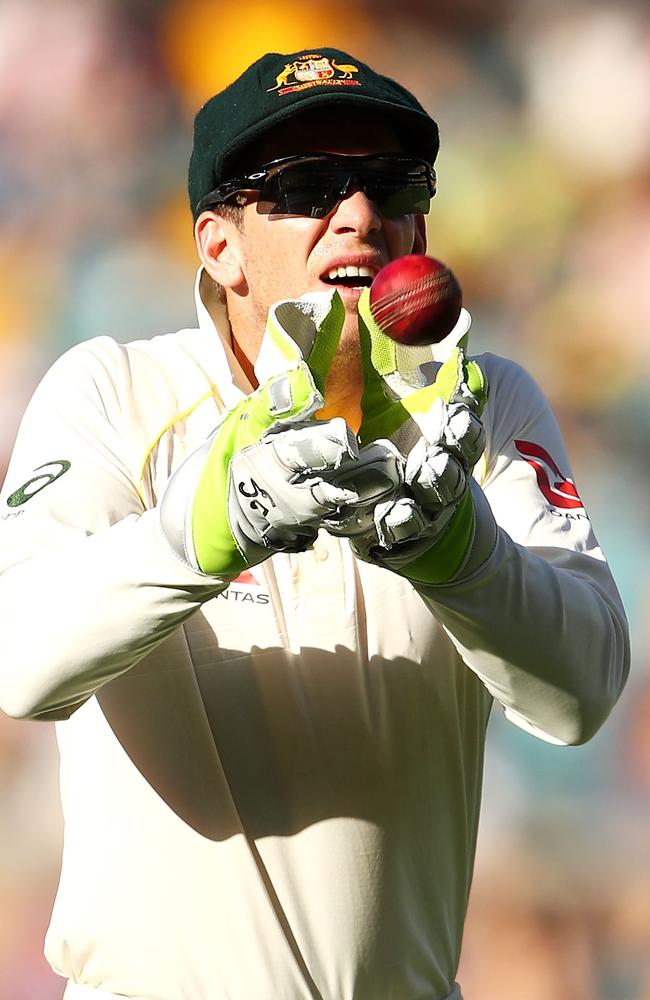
(279, 86)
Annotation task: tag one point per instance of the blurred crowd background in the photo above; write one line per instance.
(543, 211)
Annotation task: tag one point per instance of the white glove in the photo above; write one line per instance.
(437, 478)
(425, 531)
(286, 485)
(270, 472)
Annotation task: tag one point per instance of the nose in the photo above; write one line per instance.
(356, 214)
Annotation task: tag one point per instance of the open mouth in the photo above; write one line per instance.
(349, 276)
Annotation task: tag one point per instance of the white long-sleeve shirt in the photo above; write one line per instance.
(271, 789)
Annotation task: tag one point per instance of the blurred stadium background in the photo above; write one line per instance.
(544, 213)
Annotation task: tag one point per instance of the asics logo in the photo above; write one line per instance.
(51, 472)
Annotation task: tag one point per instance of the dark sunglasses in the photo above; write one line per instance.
(312, 184)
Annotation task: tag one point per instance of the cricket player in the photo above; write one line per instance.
(269, 575)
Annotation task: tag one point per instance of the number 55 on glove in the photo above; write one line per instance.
(269, 472)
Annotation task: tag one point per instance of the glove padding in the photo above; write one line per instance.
(284, 487)
(425, 532)
(269, 473)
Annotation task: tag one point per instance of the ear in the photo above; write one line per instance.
(218, 248)
(420, 236)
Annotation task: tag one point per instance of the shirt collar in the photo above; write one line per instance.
(228, 376)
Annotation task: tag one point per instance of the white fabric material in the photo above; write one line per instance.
(271, 790)
(75, 991)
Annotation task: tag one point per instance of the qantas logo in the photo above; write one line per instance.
(557, 489)
(245, 589)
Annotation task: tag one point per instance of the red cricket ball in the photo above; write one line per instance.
(416, 300)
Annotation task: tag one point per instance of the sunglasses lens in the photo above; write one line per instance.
(313, 187)
(300, 190)
(395, 199)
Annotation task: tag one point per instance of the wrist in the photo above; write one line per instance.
(446, 557)
(445, 564)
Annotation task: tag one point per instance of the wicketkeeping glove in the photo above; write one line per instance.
(425, 531)
(269, 473)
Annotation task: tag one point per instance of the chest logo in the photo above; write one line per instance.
(52, 472)
(556, 488)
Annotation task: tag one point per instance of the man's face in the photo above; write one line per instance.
(284, 257)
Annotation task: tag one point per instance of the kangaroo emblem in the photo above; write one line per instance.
(283, 76)
(313, 70)
(346, 70)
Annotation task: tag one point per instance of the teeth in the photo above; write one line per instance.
(350, 271)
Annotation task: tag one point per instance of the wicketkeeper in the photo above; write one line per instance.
(269, 576)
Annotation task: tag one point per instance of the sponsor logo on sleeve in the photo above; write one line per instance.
(46, 474)
(556, 488)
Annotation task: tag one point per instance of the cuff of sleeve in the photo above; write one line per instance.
(477, 551)
(485, 535)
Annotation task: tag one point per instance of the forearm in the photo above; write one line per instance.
(76, 616)
(546, 634)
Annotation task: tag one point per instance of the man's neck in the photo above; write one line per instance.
(343, 392)
(245, 363)
(344, 384)
(241, 367)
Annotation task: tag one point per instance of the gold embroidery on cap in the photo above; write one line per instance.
(314, 70)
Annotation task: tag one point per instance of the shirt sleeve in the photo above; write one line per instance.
(87, 585)
(536, 613)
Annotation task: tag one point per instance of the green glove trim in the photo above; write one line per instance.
(326, 343)
(299, 344)
(215, 546)
(444, 559)
(389, 400)
(383, 415)
(284, 345)
(309, 329)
